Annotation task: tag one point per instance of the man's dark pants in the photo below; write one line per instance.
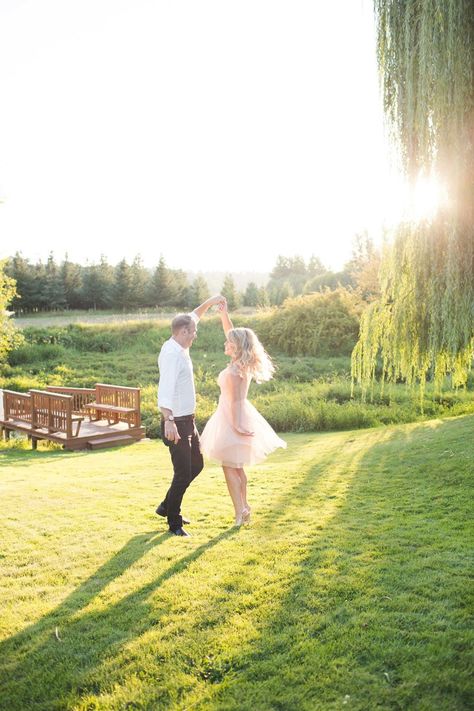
(187, 463)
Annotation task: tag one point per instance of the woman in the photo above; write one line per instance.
(237, 435)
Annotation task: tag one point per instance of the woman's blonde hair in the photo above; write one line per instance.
(250, 356)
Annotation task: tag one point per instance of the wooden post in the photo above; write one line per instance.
(69, 419)
(50, 415)
(33, 411)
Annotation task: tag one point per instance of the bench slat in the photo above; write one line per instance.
(109, 408)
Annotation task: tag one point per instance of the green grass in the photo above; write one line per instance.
(350, 589)
(308, 394)
(63, 318)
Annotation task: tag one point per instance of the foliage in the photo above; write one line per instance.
(10, 338)
(251, 296)
(328, 280)
(230, 292)
(423, 324)
(308, 393)
(53, 287)
(324, 323)
(199, 291)
(364, 267)
(289, 276)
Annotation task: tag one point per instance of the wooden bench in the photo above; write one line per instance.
(54, 413)
(115, 404)
(80, 397)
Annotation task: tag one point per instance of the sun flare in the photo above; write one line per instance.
(418, 201)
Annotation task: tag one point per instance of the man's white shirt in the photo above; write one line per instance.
(176, 390)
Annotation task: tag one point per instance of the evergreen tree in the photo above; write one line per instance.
(230, 292)
(251, 295)
(163, 288)
(181, 292)
(71, 278)
(122, 286)
(199, 291)
(92, 287)
(54, 294)
(139, 283)
(107, 281)
(40, 291)
(20, 269)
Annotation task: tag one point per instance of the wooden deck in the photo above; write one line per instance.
(76, 418)
(92, 435)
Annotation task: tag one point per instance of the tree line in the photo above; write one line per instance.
(53, 286)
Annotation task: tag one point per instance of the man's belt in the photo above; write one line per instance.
(184, 418)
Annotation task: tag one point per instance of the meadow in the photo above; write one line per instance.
(351, 588)
(308, 394)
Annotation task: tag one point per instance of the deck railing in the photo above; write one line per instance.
(16, 406)
(53, 412)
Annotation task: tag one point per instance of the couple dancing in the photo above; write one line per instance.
(236, 435)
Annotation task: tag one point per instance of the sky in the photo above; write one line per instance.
(216, 133)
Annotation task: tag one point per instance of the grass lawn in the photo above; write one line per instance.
(350, 589)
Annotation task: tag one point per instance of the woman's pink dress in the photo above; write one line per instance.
(219, 440)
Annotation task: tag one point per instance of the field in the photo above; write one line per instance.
(64, 318)
(308, 394)
(351, 588)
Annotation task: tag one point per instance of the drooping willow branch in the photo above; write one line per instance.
(423, 324)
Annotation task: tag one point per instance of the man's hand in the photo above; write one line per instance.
(212, 301)
(217, 299)
(171, 432)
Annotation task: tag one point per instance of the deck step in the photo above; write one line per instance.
(110, 441)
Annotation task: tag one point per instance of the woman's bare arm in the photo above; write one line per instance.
(227, 324)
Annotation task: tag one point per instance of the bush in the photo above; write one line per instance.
(321, 324)
(35, 354)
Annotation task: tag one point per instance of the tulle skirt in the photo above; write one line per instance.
(221, 443)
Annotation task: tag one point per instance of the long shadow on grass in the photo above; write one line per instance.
(376, 614)
(39, 668)
(284, 665)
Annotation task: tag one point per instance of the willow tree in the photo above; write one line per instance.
(423, 324)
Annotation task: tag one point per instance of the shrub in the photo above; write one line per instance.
(35, 354)
(320, 324)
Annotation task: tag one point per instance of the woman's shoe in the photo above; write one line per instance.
(246, 515)
(239, 520)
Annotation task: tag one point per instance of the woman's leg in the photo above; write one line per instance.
(243, 488)
(233, 484)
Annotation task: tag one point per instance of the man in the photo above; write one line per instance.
(177, 403)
